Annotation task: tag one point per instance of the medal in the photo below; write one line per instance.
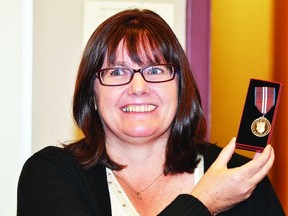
(261, 127)
(264, 101)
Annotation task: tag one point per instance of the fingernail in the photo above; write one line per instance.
(256, 155)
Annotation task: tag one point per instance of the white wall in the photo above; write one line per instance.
(15, 96)
(40, 49)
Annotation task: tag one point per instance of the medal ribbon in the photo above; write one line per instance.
(264, 98)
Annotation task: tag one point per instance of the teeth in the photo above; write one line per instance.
(141, 108)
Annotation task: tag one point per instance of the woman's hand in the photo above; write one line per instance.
(221, 188)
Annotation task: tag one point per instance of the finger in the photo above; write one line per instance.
(257, 164)
(257, 153)
(226, 153)
(264, 155)
(265, 169)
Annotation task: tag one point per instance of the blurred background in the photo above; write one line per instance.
(227, 43)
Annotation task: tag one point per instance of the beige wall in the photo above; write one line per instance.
(57, 47)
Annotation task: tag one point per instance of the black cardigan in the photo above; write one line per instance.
(53, 184)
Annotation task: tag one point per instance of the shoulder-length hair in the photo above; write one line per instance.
(137, 27)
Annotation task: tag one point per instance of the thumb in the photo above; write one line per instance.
(226, 153)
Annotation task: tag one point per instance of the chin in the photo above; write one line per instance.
(140, 131)
(140, 134)
(147, 134)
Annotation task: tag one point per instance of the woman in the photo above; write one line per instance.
(143, 153)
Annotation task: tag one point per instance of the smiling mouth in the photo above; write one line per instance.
(139, 108)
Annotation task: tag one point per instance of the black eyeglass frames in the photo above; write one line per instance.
(117, 76)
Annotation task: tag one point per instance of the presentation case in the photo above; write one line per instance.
(259, 114)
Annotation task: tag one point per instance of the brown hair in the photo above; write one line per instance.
(137, 27)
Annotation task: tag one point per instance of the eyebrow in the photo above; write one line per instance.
(121, 63)
(118, 64)
(127, 64)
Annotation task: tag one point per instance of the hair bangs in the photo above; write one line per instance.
(143, 45)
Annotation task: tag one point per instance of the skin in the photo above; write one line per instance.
(136, 127)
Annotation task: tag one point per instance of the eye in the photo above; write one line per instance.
(118, 72)
(155, 70)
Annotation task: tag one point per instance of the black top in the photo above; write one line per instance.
(53, 184)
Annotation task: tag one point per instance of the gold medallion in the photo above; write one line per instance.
(261, 127)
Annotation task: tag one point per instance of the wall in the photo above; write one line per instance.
(241, 48)
(198, 49)
(15, 96)
(57, 50)
(280, 58)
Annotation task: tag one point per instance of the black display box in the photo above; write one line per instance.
(248, 137)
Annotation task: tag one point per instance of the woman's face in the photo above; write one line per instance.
(138, 111)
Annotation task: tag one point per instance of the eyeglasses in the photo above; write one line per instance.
(118, 76)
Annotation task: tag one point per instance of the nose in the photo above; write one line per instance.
(138, 85)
